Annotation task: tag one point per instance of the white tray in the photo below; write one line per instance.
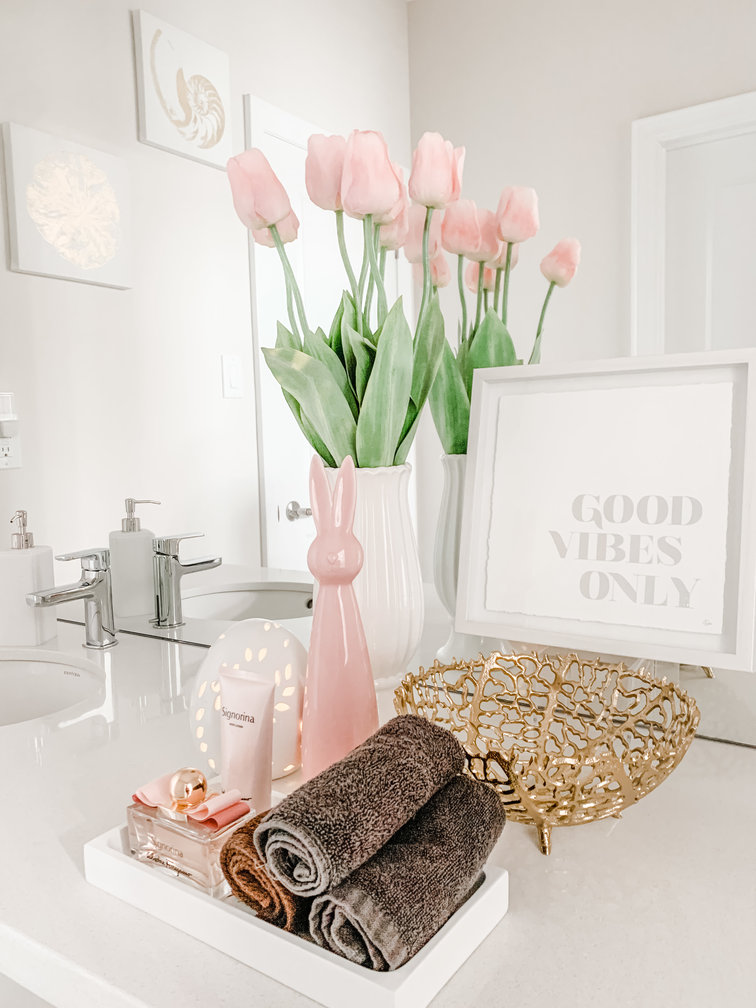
(230, 927)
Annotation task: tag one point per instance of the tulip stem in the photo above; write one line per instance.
(290, 310)
(535, 353)
(382, 263)
(461, 285)
(505, 295)
(344, 254)
(497, 290)
(375, 273)
(426, 263)
(481, 268)
(291, 280)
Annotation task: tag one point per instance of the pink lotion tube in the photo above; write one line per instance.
(247, 736)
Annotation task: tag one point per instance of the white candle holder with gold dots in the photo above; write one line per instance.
(271, 651)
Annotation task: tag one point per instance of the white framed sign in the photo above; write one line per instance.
(609, 506)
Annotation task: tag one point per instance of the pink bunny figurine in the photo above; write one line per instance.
(340, 709)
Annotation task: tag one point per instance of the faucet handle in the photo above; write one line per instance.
(96, 559)
(169, 545)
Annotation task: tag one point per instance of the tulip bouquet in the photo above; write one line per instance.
(489, 242)
(359, 388)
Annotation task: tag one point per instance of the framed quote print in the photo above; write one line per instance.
(610, 507)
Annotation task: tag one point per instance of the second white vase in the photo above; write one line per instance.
(446, 562)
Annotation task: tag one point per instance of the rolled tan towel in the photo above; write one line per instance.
(338, 820)
(385, 912)
(250, 882)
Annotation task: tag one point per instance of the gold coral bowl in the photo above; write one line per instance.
(563, 740)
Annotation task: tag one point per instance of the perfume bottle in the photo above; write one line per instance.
(167, 836)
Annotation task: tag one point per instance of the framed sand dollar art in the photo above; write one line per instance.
(68, 209)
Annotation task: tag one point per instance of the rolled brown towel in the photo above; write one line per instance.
(339, 819)
(389, 908)
(250, 882)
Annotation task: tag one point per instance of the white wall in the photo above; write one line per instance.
(543, 94)
(119, 392)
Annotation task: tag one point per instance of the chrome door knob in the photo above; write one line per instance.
(294, 511)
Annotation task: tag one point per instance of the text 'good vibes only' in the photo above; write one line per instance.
(600, 540)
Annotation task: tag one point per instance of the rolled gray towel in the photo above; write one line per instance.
(391, 906)
(339, 819)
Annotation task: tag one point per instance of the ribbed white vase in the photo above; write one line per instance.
(446, 561)
(389, 587)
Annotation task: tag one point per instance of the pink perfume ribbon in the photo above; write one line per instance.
(218, 810)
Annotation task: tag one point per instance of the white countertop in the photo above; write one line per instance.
(657, 909)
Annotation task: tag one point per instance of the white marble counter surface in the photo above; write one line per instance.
(657, 909)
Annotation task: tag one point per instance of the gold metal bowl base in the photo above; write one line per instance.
(563, 740)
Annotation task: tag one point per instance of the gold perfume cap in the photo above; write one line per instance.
(188, 788)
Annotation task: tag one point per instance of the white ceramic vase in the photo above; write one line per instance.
(446, 562)
(389, 588)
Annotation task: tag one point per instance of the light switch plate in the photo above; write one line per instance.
(233, 378)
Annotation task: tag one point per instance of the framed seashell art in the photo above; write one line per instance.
(183, 91)
(68, 209)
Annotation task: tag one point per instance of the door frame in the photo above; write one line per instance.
(652, 138)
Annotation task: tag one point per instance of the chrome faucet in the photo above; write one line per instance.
(95, 590)
(168, 571)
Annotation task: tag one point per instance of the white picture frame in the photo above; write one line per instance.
(69, 212)
(183, 92)
(609, 507)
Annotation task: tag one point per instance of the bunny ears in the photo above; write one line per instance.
(336, 512)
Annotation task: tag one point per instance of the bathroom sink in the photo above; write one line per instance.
(36, 684)
(247, 600)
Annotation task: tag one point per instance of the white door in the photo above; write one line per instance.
(693, 227)
(711, 246)
(283, 452)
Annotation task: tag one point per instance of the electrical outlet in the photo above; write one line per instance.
(10, 453)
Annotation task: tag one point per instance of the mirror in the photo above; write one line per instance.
(119, 391)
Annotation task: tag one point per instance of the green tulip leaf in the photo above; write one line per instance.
(384, 405)
(334, 333)
(450, 404)
(363, 354)
(316, 346)
(428, 345)
(465, 367)
(286, 338)
(492, 345)
(348, 323)
(320, 399)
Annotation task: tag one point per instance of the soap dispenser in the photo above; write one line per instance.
(131, 565)
(25, 568)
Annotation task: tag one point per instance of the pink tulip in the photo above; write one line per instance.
(324, 166)
(500, 259)
(400, 207)
(460, 229)
(439, 272)
(560, 265)
(436, 177)
(472, 272)
(470, 232)
(369, 184)
(259, 198)
(394, 234)
(287, 229)
(413, 245)
(517, 214)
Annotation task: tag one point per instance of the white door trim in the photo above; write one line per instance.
(652, 138)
